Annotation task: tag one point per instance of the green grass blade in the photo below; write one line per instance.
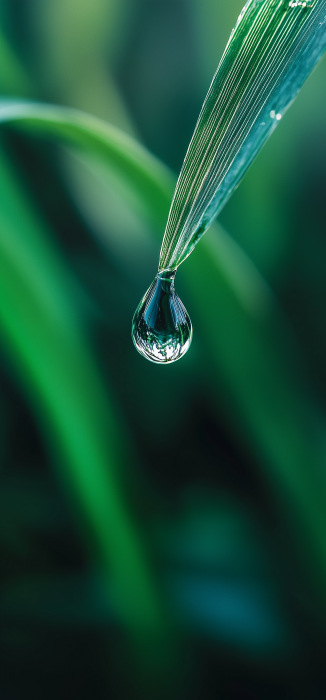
(253, 356)
(149, 177)
(42, 334)
(13, 78)
(267, 402)
(133, 167)
(272, 50)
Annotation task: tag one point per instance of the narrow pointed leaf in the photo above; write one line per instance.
(272, 50)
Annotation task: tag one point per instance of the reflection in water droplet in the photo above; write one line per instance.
(161, 328)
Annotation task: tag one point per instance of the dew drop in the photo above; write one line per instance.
(161, 328)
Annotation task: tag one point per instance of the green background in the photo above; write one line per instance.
(162, 529)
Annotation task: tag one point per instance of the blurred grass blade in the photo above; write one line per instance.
(13, 78)
(118, 215)
(217, 572)
(149, 177)
(134, 170)
(272, 50)
(255, 358)
(80, 40)
(265, 399)
(41, 331)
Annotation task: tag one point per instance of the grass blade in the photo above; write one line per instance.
(272, 50)
(44, 340)
(13, 78)
(267, 403)
(149, 177)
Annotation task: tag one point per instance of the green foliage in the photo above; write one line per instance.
(48, 348)
(271, 51)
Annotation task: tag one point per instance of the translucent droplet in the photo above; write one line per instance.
(161, 328)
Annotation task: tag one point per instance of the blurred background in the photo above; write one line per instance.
(162, 529)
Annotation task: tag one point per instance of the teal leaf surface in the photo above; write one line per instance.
(271, 51)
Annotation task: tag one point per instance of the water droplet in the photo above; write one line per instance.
(272, 114)
(298, 3)
(161, 328)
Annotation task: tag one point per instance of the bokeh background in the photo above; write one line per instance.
(162, 529)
